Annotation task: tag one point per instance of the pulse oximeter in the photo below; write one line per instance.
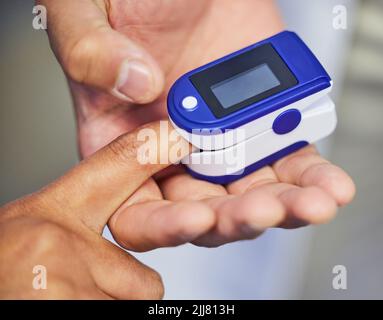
(252, 107)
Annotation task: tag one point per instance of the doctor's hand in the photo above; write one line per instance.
(121, 57)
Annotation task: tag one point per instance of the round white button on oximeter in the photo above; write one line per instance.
(189, 102)
(252, 107)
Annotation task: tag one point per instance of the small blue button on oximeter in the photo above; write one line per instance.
(252, 107)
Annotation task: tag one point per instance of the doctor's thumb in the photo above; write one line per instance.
(91, 52)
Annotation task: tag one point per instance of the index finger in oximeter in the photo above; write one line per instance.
(252, 107)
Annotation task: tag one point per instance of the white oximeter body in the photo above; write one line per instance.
(252, 107)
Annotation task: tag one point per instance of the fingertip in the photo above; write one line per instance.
(345, 192)
(139, 81)
(332, 179)
(341, 186)
(313, 205)
(348, 192)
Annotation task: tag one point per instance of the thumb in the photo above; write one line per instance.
(100, 184)
(93, 53)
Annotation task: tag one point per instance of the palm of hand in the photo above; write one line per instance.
(301, 188)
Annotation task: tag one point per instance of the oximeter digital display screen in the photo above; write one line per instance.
(242, 80)
(245, 85)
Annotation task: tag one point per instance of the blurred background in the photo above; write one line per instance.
(38, 143)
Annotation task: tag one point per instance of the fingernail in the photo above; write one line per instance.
(135, 80)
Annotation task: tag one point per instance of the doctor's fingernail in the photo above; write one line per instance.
(135, 81)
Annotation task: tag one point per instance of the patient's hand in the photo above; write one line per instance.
(121, 58)
(59, 229)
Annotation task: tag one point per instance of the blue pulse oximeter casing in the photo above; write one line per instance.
(252, 107)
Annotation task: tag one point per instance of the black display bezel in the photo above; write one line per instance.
(264, 54)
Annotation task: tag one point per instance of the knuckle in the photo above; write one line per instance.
(124, 147)
(149, 286)
(157, 287)
(121, 240)
(47, 237)
(61, 289)
(79, 57)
